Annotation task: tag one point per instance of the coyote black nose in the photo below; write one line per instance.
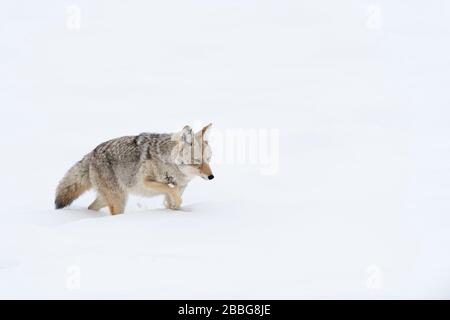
(210, 177)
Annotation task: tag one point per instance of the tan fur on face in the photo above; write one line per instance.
(205, 169)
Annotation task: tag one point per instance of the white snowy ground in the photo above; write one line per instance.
(359, 207)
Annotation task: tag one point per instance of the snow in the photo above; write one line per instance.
(358, 207)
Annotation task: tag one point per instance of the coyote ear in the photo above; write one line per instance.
(184, 135)
(204, 133)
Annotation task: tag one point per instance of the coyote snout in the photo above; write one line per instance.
(205, 171)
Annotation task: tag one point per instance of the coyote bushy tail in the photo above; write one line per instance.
(74, 184)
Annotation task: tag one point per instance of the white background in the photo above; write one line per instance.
(359, 91)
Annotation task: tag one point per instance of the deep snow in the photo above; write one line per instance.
(358, 208)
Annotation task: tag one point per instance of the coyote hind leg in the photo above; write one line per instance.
(116, 202)
(98, 204)
(108, 188)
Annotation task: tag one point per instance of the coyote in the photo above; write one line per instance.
(149, 164)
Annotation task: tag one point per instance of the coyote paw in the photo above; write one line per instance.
(173, 201)
(172, 206)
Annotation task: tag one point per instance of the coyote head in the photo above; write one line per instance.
(193, 153)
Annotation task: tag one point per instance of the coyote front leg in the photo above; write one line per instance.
(172, 193)
(167, 201)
